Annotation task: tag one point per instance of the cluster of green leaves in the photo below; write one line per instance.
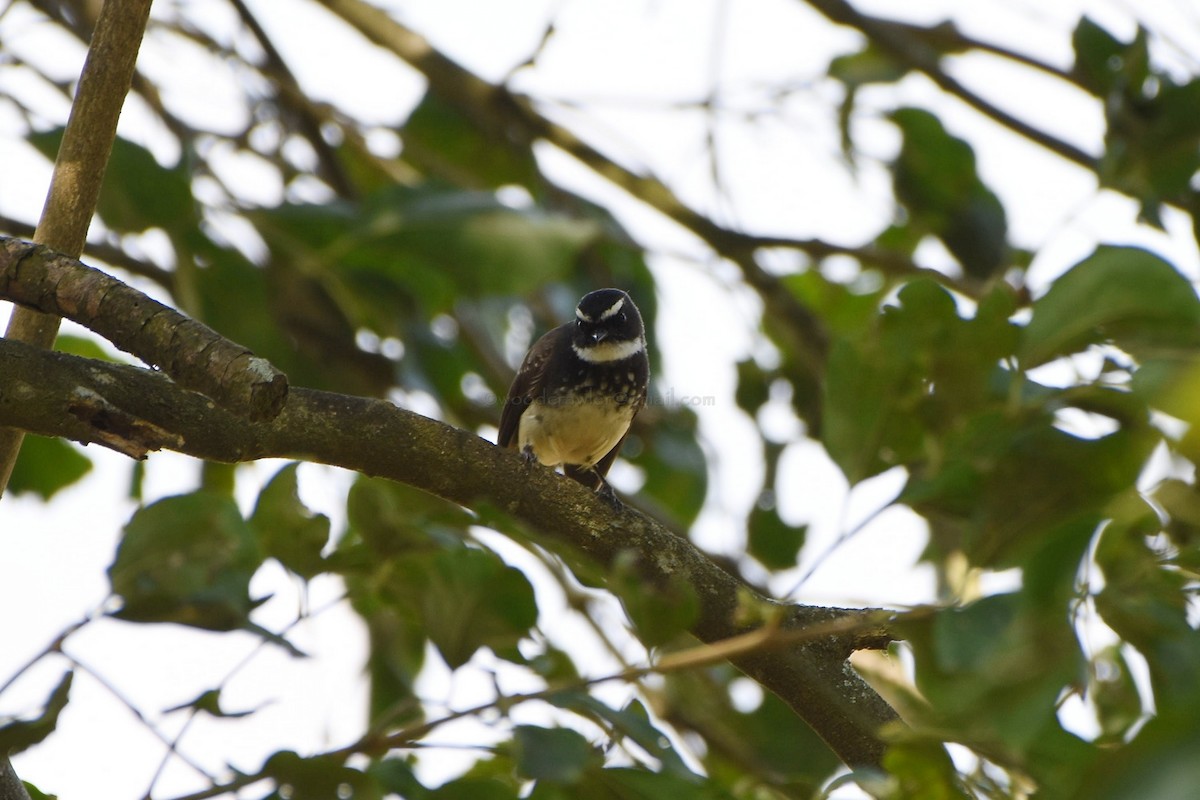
(1024, 429)
(1150, 151)
(1004, 480)
(416, 576)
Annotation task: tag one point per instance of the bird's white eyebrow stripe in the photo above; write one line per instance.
(582, 315)
(615, 308)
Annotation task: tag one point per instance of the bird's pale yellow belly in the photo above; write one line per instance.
(579, 433)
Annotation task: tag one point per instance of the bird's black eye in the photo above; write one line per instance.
(624, 317)
(578, 323)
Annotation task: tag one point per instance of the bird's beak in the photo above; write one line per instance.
(598, 336)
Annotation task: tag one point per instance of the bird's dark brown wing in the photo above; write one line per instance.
(527, 385)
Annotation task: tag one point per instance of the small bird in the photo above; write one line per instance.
(578, 390)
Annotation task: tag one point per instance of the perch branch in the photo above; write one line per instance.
(194, 355)
(79, 167)
(43, 390)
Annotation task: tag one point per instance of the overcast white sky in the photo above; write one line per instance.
(626, 59)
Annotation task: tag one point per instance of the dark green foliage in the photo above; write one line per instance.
(187, 559)
(288, 531)
(935, 180)
(1123, 295)
(46, 466)
(148, 195)
(771, 540)
(21, 734)
(1151, 150)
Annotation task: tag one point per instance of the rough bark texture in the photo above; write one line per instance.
(79, 167)
(194, 355)
(11, 787)
(55, 394)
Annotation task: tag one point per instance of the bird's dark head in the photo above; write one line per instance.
(608, 327)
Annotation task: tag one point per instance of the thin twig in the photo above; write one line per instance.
(137, 712)
(769, 636)
(896, 40)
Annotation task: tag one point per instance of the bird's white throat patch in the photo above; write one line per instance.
(605, 352)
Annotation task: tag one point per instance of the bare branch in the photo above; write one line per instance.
(102, 251)
(374, 437)
(79, 167)
(897, 41)
(194, 355)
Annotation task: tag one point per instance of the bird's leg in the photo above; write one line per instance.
(608, 494)
(527, 454)
(591, 478)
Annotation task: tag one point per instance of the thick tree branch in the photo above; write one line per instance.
(194, 355)
(79, 166)
(11, 787)
(103, 251)
(55, 394)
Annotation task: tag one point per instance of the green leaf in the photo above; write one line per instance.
(1147, 603)
(45, 466)
(935, 178)
(658, 612)
(83, 347)
(869, 65)
(393, 518)
(855, 70)
(287, 530)
(470, 788)
(923, 769)
(187, 559)
(674, 463)
(443, 140)
(472, 600)
(995, 669)
(317, 778)
(286, 315)
(920, 367)
(632, 721)
(396, 775)
(625, 783)
(1160, 763)
(36, 793)
(1125, 295)
(1015, 484)
(772, 541)
(138, 193)
(846, 309)
(434, 245)
(18, 735)
(556, 755)
(769, 740)
(1096, 53)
